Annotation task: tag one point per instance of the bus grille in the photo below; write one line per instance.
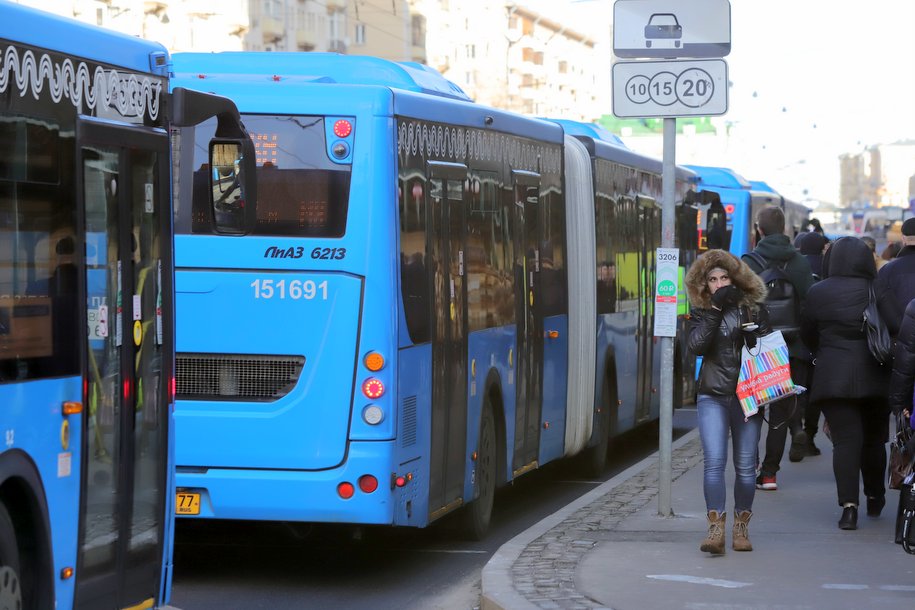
(236, 377)
(408, 425)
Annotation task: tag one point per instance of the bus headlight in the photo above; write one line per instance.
(372, 415)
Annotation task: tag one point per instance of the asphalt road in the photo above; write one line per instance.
(277, 566)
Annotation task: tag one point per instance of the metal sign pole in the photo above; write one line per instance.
(665, 440)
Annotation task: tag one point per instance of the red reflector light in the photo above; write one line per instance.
(400, 481)
(729, 208)
(372, 388)
(368, 483)
(343, 128)
(346, 490)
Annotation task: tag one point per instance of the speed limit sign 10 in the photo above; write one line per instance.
(670, 88)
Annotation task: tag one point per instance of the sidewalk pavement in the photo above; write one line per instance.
(611, 549)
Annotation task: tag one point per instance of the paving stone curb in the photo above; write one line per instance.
(536, 569)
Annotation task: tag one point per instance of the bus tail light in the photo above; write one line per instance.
(346, 490)
(372, 415)
(368, 483)
(373, 361)
(372, 388)
(343, 128)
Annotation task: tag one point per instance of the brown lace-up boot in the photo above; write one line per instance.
(741, 531)
(714, 542)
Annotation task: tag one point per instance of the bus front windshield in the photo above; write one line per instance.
(300, 190)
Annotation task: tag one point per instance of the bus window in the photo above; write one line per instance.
(300, 191)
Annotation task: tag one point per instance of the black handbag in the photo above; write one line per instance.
(878, 337)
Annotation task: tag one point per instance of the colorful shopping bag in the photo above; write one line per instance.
(765, 375)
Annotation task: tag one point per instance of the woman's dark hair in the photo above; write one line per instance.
(891, 250)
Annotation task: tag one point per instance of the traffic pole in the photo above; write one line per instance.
(665, 428)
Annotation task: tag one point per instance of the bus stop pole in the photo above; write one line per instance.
(665, 428)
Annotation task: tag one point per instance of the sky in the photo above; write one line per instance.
(810, 80)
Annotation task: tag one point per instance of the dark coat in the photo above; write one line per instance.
(832, 326)
(716, 335)
(895, 287)
(777, 249)
(903, 375)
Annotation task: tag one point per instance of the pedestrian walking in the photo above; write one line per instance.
(895, 285)
(788, 277)
(812, 246)
(902, 381)
(727, 313)
(851, 386)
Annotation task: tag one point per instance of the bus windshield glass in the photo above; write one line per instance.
(301, 191)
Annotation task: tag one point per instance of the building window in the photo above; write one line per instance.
(418, 30)
(471, 51)
(360, 33)
(563, 67)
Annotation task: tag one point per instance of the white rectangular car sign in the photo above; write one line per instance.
(670, 89)
(671, 28)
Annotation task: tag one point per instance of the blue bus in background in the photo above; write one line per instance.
(732, 225)
(86, 312)
(428, 299)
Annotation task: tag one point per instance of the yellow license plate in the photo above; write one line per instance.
(187, 503)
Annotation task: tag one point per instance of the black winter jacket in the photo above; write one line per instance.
(895, 287)
(903, 375)
(832, 326)
(717, 337)
(777, 250)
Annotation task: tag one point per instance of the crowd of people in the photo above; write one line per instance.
(832, 284)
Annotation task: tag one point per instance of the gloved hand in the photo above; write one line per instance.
(749, 338)
(726, 296)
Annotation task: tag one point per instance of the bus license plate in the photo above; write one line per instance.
(187, 503)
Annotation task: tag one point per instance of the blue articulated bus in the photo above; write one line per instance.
(607, 155)
(408, 316)
(86, 313)
(797, 215)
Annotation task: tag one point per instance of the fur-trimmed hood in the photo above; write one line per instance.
(750, 284)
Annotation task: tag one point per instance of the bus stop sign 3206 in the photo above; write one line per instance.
(670, 89)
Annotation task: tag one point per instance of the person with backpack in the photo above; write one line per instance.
(788, 277)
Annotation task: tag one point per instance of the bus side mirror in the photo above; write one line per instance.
(233, 190)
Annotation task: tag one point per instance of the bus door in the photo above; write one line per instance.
(449, 342)
(527, 231)
(124, 198)
(650, 234)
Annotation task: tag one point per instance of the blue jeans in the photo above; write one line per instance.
(717, 416)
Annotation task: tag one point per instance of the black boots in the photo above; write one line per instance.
(875, 506)
(849, 520)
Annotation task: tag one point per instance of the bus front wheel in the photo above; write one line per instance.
(10, 591)
(478, 513)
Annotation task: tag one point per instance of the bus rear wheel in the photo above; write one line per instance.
(479, 512)
(10, 590)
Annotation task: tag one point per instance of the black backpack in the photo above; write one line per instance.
(782, 300)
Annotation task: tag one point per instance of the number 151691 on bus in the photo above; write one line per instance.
(292, 289)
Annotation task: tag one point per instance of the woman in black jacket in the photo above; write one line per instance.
(902, 383)
(726, 312)
(851, 386)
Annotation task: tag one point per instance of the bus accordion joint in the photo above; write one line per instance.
(71, 407)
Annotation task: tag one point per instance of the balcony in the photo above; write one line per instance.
(335, 5)
(305, 39)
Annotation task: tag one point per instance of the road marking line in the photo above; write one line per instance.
(846, 587)
(897, 588)
(698, 580)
